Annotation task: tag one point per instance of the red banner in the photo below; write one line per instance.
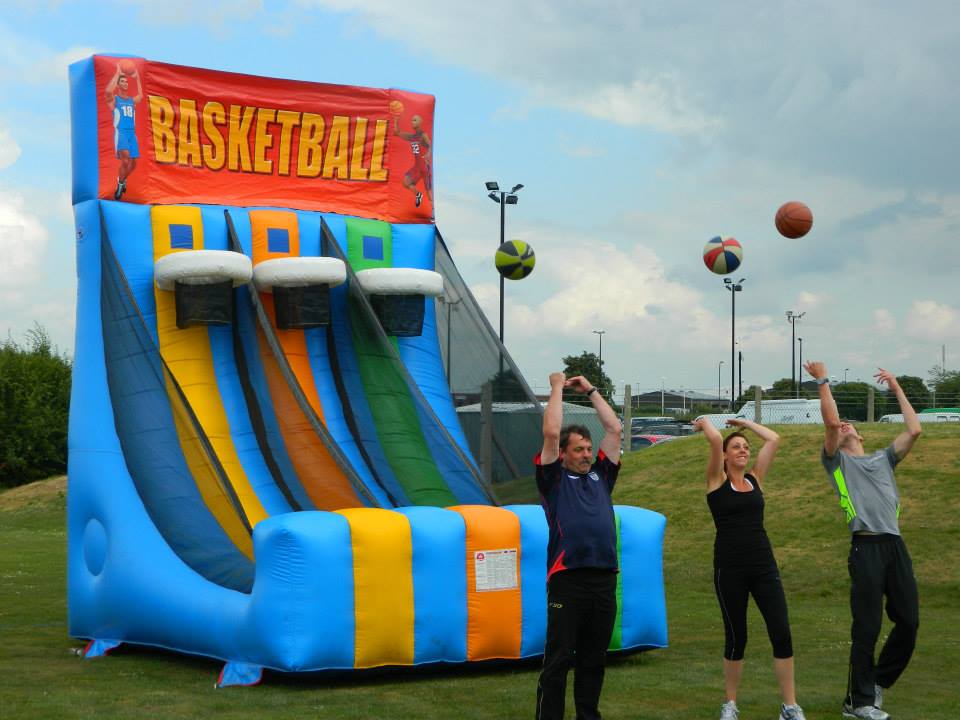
(171, 134)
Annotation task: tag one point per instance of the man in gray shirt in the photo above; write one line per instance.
(879, 563)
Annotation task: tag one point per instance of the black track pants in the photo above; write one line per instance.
(581, 611)
(734, 585)
(880, 566)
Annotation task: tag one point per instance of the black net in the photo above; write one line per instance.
(400, 315)
(300, 308)
(207, 304)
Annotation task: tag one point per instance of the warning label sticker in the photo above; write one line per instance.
(495, 569)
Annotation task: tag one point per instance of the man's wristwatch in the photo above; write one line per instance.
(591, 391)
(823, 381)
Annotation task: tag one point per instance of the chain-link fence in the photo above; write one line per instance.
(855, 402)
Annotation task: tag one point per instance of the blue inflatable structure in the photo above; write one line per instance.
(266, 465)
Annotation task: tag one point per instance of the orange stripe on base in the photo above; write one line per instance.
(493, 615)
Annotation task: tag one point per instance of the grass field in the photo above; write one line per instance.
(42, 677)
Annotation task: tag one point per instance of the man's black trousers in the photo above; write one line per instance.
(880, 566)
(581, 611)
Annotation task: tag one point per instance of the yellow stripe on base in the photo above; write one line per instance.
(382, 587)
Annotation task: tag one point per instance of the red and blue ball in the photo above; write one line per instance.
(722, 255)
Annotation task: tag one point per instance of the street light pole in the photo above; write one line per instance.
(800, 340)
(661, 397)
(845, 371)
(600, 357)
(503, 198)
(719, 365)
(792, 318)
(740, 373)
(734, 288)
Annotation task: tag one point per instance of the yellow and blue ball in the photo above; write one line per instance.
(515, 260)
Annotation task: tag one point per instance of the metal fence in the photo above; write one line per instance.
(860, 404)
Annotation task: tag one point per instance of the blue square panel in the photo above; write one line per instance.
(181, 237)
(372, 247)
(278, 240)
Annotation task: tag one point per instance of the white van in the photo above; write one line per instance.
(792, 411)
(924, 417)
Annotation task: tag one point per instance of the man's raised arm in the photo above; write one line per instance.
(552, 420)
(905, 440)
(612, 428)
(828, 407)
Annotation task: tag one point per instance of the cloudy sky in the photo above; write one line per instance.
(640, 130)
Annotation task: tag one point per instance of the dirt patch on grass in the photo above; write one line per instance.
(42, 492)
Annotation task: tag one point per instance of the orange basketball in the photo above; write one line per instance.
(396, 107)
(793, 219)
(128, 67)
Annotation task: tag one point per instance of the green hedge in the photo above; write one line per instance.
(34, 402)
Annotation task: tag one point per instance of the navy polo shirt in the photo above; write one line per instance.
(583, 531)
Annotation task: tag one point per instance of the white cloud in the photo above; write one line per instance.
(217, 15)
(883, 322)
(52, 67)
(23, 241)
(933, 321)
(657, 104)
(9, 150)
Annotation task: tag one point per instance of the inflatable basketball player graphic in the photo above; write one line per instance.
(420, 147)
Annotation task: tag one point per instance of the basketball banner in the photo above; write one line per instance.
(170, 134)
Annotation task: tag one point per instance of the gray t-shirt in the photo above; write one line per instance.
(867, 488)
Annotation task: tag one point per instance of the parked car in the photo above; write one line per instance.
(648, 420)
(796, 411)
(676, 429)
(645, 440)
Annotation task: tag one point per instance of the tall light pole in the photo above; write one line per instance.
(793, 318)
(734, 288)
(800, 340)
(719, 365)
(845, 371)
(740, 373)
(662, 409)
(600, 356)
(502, 198)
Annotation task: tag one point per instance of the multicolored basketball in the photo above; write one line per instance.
(793, 219)
(128, 66)
(722, 255)
(396, 107)
(515, 260)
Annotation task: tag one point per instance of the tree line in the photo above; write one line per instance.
(34, 405)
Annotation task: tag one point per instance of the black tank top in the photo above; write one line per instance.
(738, 516)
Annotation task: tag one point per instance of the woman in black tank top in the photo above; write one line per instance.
(743, 562)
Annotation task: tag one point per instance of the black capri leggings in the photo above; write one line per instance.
(733, 585)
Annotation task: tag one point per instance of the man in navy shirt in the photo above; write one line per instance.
(581, 552)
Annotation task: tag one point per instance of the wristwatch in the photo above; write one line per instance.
(591, 391)
(823, 381)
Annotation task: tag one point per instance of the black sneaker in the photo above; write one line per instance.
(419, 198)
(119, 191)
